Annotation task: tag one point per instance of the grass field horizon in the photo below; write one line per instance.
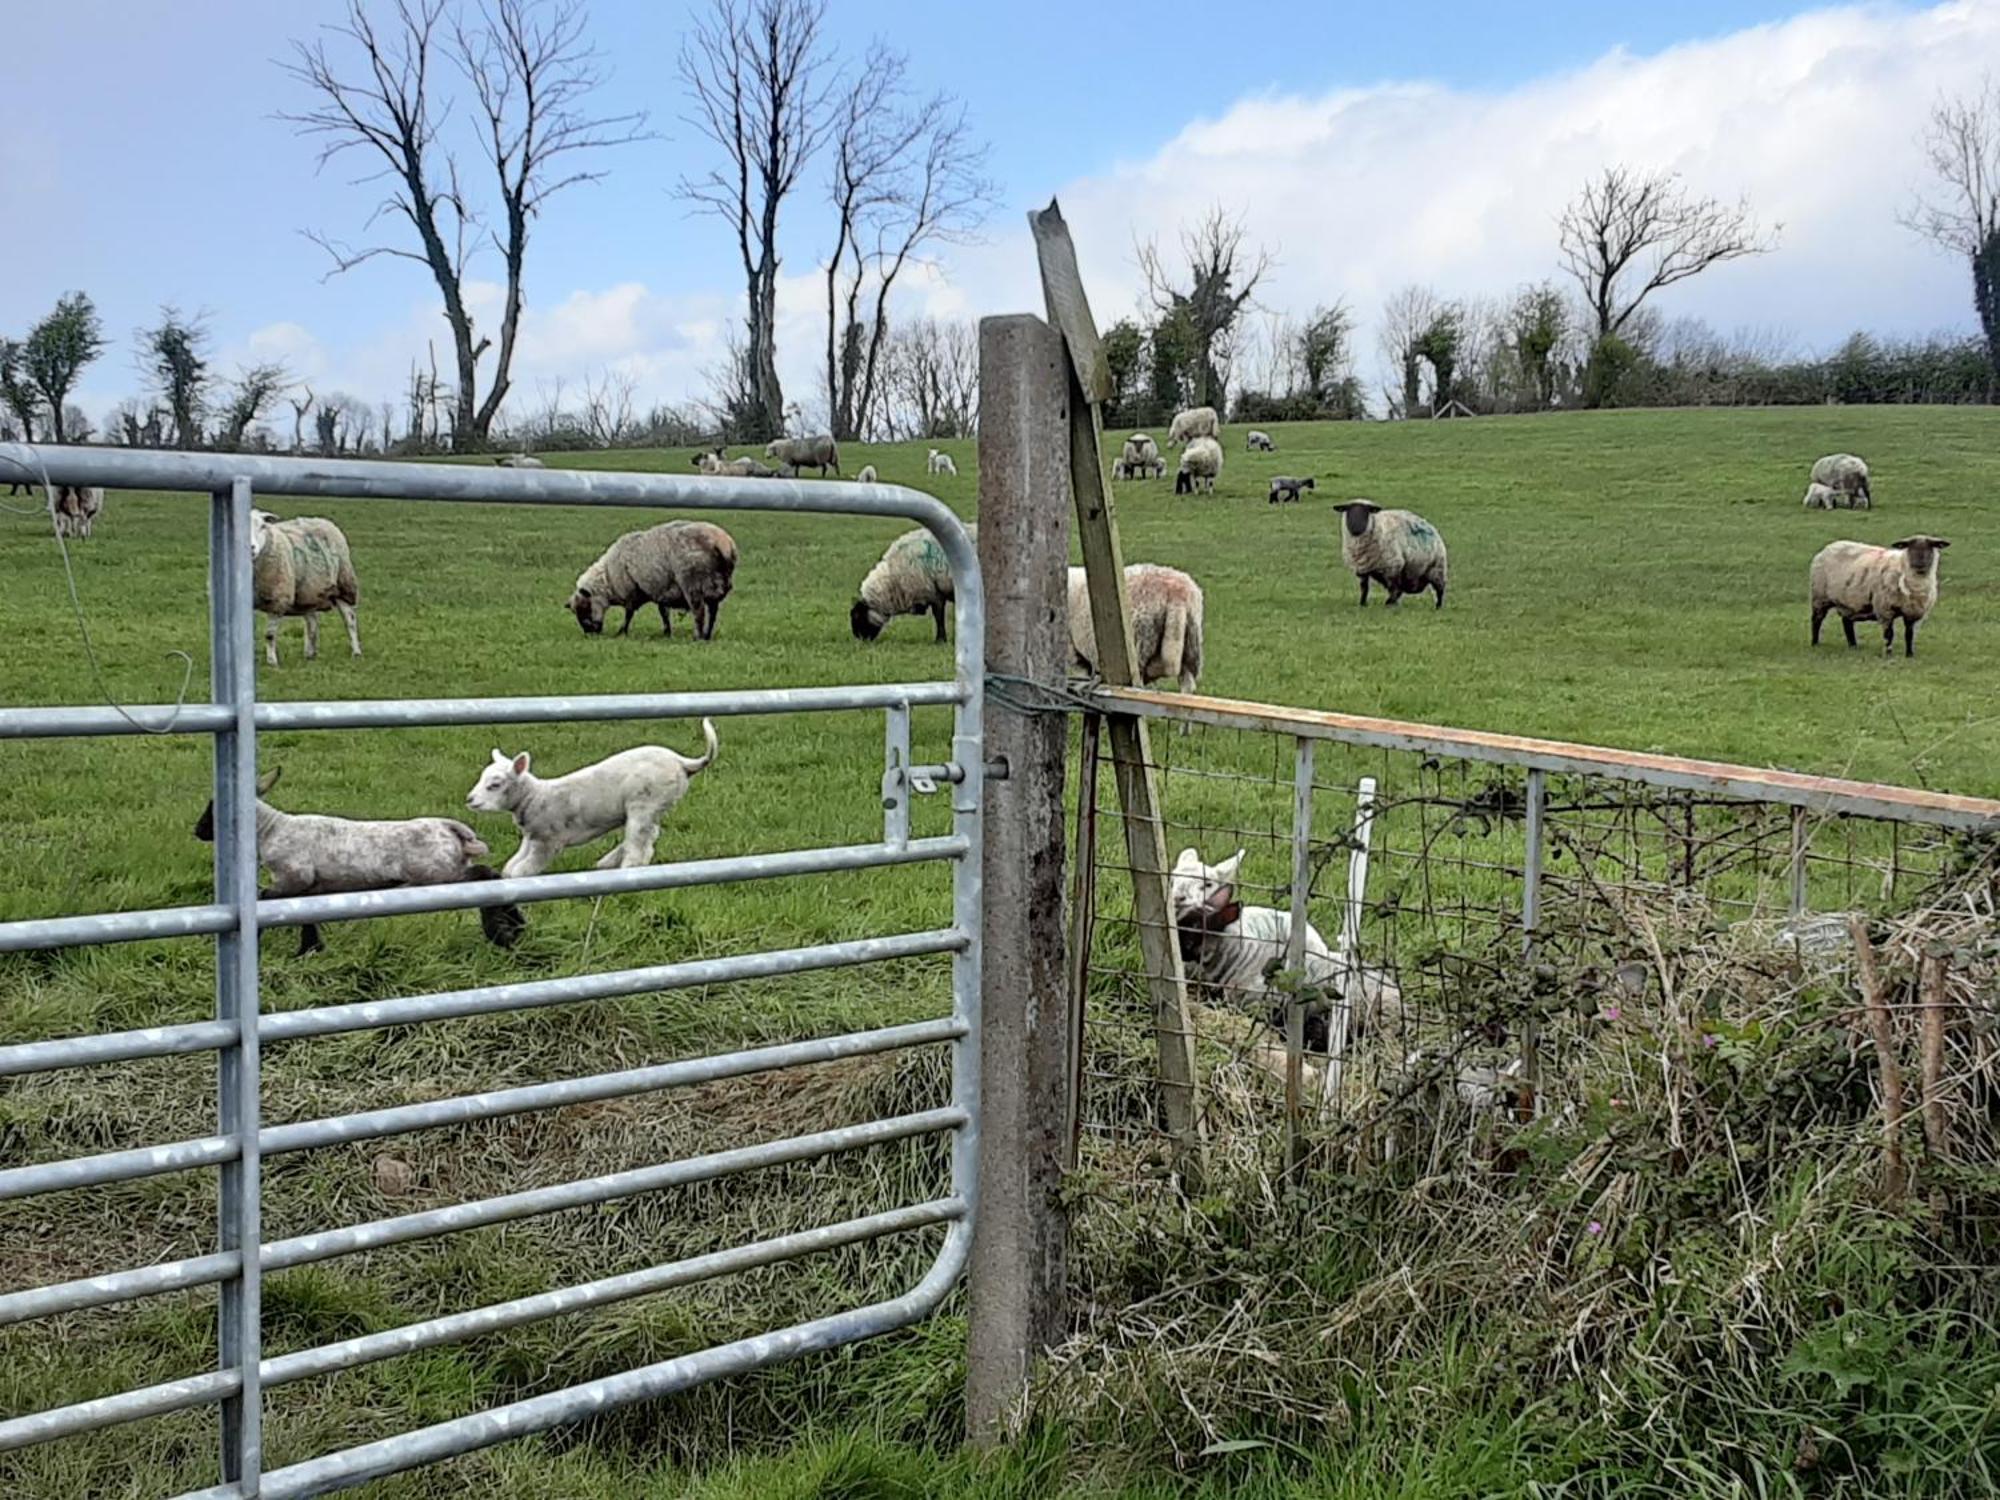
(1630, 579)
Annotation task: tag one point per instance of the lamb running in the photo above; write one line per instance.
(1235, 949)
(1166, 608)
(311, 855)
(793, 454)
(1259, 442)
(1398, 549)
(1849, 475)
(631, 790)
(1896, 582)
(913, 578)
(940, 463)
(688, 565)
(1284, 487)
(302, 567)
(1201, 466)
(1196, 422)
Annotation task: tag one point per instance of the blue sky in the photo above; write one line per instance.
(1340, 131)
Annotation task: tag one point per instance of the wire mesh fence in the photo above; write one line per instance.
(1481, 928)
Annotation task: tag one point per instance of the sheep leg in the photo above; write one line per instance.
(642, 827)
(666, 622)
(534, 856)
(353, 624)
(1364, 590)
(1847, 624)
(1909, 637)
(626, 627)
(937, 614)
(1394, 594)
(714, 614)
(1439, 587)
(270, 640)
(312, 637)
(1818, 619)
(309, 939)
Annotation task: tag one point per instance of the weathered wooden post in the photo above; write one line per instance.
(1131, 753)
(1018, 1271)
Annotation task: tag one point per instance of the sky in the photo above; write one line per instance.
(1366, 146)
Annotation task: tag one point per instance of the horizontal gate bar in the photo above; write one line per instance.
(328, 1243)
(353, 905)
(366, 1015)
(82, 720)
(127, 1406)
(456, 1327)
(116, 1166)
(115, 1046)
(539, 1413)
(294, 911)
(336, 1130)
(120, 1286)
(116, 927)
(1820, 794)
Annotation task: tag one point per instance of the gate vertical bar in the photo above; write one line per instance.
(1295, 961)
(1531, 919)
(233, 683)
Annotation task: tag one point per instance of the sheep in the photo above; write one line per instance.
(77, 509)
(1286, 488)
(1122, 469)
(1201, 466)
(631, 790)
(867, 475)
(715, 464)
(519, 461)
(1139, 458)
(1821, 497)
(913, 578)
(302, 567)
(1234, 950)
(1166, 610)
(688, 565)
(1398, 549)
(1196, 422)
(1896, 582)
(1848, 474)
(1259, 442)
(794, 454)
(311, 855)
(940, 463)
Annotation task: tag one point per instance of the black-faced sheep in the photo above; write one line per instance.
(1398, 549)
(1201, 466)
(1848, 474)
(688, 565)
(1896, 582)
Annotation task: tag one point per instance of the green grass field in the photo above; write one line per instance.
(1630, 579)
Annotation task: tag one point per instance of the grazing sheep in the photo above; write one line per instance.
(1235, 949)
(940, 463)
(867, 475)
(631, 790)
(913, 578)
(794, 454)
(1201, 466)
(302, 567)
(1398, 549)
(1166, 608)
(77, 508)
(1196, 422)
(1259, 442)
(1896, 582)
(1821, 497)
(686, 565)
(309, 855)
(1286, 488)
(1848, 474)
(519, 461)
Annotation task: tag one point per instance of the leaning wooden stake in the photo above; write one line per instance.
(1932, 993)
(1131, 753)
(1885, 1056)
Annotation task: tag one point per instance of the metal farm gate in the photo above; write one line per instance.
(240, 1139)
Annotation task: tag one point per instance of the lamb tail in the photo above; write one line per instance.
(471, 842)
(707, 759)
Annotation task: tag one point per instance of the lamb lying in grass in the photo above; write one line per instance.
(311, 855)
(631, 790)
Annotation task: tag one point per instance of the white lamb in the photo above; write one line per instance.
(631, 790)
(940, 463)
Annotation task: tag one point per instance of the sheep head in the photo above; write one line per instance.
(589, 610)
(1357, 514)
(499, 785)
(1922, 551)
(261, 522)
(867, 624)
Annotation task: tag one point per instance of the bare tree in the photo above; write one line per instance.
(755, 73)
(1406, 317)
(531, 74)
(300, 404)
(606, 414)
(1218, 281)
(1629, 234)
(1961, 142)
(930, 381)
(253, 390)
(903, 178)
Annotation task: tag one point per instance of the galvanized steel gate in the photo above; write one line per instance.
(240, 1139)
